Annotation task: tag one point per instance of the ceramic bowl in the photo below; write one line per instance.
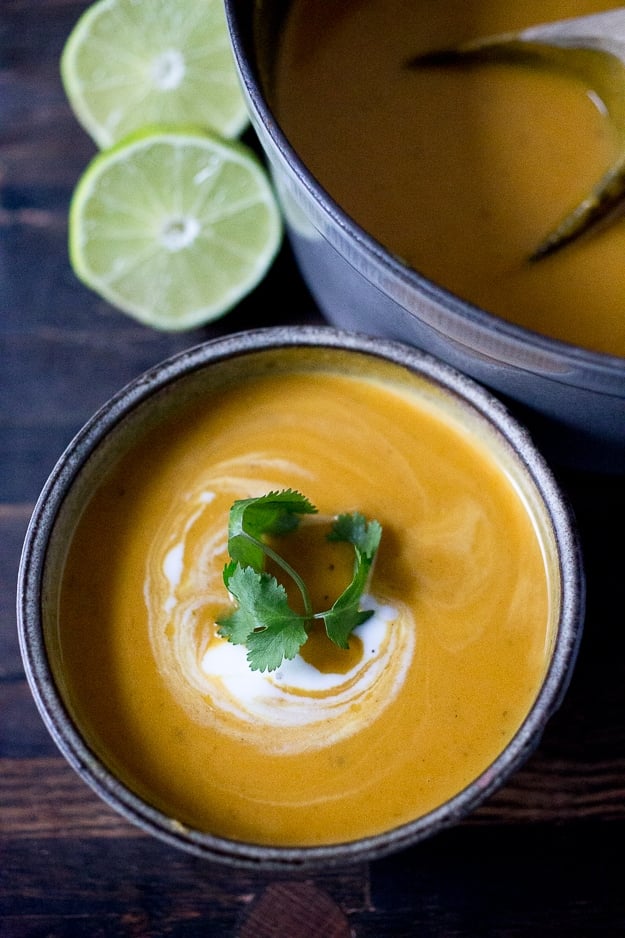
(144, 403)
(572, 399)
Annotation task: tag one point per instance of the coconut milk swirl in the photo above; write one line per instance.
(210, 678)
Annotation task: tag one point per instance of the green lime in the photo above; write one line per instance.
(174, 227)
(131, 63)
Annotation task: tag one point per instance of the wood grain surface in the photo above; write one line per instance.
(544, 856)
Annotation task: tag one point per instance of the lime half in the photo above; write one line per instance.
(131, 63)
(172, 227)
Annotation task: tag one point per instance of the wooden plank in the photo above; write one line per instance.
(544, 881)
(44, 798)
(140, 886)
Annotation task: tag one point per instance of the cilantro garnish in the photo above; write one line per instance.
(263, 620)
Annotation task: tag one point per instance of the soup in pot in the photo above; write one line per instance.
(460, 171)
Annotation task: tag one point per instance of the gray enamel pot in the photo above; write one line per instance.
(572, 399)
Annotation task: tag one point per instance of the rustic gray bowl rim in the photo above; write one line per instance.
(133, 808)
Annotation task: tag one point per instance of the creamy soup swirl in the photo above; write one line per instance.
(211, 679)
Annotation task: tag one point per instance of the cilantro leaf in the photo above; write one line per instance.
(263, 619)
(355, 529)
(250, 518)
(237, 626)
(345, 614)
(268, 647)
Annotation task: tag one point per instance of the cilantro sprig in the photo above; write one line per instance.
(263, 620)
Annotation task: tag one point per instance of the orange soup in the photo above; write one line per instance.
(332, 746)
(461, 172)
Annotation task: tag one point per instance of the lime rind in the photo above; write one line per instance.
(174, 227)
(126, 65)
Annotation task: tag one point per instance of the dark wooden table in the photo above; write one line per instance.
(544, 857)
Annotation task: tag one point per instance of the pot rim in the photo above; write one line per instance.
(33, 560)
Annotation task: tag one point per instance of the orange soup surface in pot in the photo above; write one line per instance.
(334, 745)
(459, 171)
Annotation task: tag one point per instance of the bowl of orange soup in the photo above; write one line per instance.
(416, 196)
(474, 603)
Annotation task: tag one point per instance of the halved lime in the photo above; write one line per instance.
(128, 64)
(174, 227)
